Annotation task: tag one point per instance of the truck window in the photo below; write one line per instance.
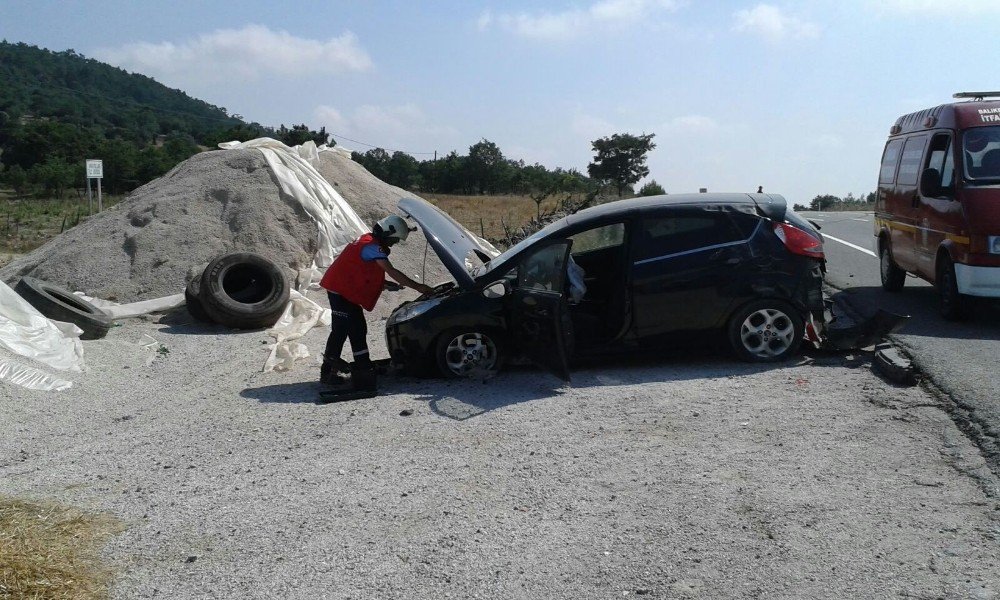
(909, 163)
(981, 147)
(940, 158)
(890, 158)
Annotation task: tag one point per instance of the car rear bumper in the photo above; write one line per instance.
(978, 281)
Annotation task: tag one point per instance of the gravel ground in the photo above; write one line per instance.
(682, 478)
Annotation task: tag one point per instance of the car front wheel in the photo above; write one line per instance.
(469, 353)
(765, 331)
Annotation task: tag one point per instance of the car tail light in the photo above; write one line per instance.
(798, 241)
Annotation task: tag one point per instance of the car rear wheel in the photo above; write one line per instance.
(765, 331)
(465, 353)
(892, 276)
(954, 306)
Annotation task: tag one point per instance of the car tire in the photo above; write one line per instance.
(892, 276)
(765, 331)
(192, 299)
(953, 305)
(60, 304)
(469, 353)
(243, 290)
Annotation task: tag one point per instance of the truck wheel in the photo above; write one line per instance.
(60, 304)
(954, 306)
(243, 290)
(469, 353)
(892, 276)
(765, 331)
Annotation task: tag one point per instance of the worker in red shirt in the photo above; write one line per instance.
(354, 282)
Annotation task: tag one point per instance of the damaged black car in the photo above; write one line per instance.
(631, 275)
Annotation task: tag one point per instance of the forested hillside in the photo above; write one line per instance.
(59, 108)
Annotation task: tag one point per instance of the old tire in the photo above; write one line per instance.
(765, 331)
(243, 291)
(192, 299)
(892, 276)
(60, 304)
(954, 306)
(469, 353)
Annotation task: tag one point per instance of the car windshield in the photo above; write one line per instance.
(981, 146)
(516, 248)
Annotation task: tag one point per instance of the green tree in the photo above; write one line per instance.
(621, 159)
(486, 166)
(651, 188)
(375, 160)
(823, 202)
(403, 170)
(17, 178)
(55, 175)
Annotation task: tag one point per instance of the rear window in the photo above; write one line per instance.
(890, 158)
(684, 231)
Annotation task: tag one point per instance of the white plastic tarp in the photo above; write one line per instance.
(28, 333)
(338, 224)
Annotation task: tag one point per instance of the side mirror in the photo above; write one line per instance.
(497, 289)
(930, 183)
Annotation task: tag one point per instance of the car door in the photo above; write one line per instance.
(541, 325)
(687, 270)
(903, 201)
(938, 214)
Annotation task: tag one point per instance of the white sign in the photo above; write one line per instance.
(95, 169)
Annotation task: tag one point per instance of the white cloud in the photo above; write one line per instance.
(692, 124)
(769, 22)
(591, 127)
(576, 22)
(246, 53)
(952, 7)
(404, 127)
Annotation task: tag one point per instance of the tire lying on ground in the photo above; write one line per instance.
(60, 304)
(243, 291)
(192, 299)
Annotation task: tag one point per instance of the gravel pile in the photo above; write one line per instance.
(215, 202)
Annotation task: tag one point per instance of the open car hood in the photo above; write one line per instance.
(453, 243)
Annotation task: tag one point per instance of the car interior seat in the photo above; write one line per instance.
(990, 167)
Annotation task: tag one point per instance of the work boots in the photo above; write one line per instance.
(363, 383)
(334, 371)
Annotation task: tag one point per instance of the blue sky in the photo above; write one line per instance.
(795, 96)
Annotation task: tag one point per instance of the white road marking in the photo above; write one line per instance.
(849, 244)
(862, 220)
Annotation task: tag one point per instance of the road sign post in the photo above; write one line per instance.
(95, 170)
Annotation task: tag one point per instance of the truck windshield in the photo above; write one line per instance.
(981, 146)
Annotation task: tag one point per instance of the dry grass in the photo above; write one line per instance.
(486, 215)
(27, 222)
(50, 552)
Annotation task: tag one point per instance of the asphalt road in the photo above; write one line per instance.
(958, 358)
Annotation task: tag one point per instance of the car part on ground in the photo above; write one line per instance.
(192, 299)
(895, 367)
(243, 290)
(461, 353)
(765, 331)
(60, 304)
(846, 333)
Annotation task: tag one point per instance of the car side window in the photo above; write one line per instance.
(890, 158)
(606, 236)
(544, 269)
(940, 158)
(909, 164)
(684, 231)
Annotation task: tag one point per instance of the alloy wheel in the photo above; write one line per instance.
(470, 352)
(767, 333)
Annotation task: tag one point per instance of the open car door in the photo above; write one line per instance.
(540, 318)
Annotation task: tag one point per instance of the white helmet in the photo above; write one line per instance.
(393, 227)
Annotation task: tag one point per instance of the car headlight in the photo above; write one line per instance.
(411, 310)
(993, 244)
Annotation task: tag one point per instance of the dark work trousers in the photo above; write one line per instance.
(348, 322)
